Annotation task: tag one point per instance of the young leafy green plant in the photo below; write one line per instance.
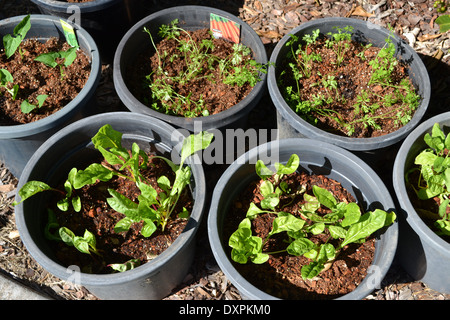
(27, 107)
(344, 222)
(51, 59)
(5, 78)
(434, 167)
(153, 209)
(12, 42)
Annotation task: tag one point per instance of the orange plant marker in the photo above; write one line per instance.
(225, 28)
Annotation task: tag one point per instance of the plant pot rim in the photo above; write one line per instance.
(150, 267)
(85, 7)
(23, 130)
(356, 144)
(243, 285)
(399, 168)
(136, 106)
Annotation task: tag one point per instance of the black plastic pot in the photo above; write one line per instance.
(105, 20)
(292, 125)
(72, 147)
(190, 18)
(316, 157)
(422, 253)
(19, 142)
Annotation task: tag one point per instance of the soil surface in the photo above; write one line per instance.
(34, 78)
(271, 19)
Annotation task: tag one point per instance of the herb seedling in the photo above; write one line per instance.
(5, 78)
(12, 42)
(344, 222)
(52, 59)
(153, 209)
(434, 181)
(237, 69)
(324, 97)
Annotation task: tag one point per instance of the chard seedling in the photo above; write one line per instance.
(12, 42)
(27, 107)
(434, 167)
(5, 78)
(343, 222)
(52, 59)
(153, 209)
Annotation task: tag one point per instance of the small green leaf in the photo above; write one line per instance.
(41, 99)
(286, 222)
(69, 56)
(444, 23)
(66, 235)
(107, 137)
(5, 77)
(27, 107)
(123, 225)
(253, 211)
(300, 246)
(194, 143)
(311, 270)
(352, 214)
(368, 224)
(262, 171)
(148, 228)
(290, 167)
(325, 197)
(11, 43)
(91, 174)
(266, 188)
(49, 59)
(30, 189)
(129, 265)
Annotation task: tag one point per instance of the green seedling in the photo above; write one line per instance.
(85, 244)
(153, 209)
(339, 42)
(5, 78)
(344, 222)
(326, 93)
(12, 42)
(434, 167)
(237, 69)
(52, 59)
(27, 107)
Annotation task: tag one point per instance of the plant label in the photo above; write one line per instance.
(224, 28)
(69, 33)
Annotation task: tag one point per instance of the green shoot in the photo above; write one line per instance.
(5, 78)
(12, 42)
(27, 107)
(51, 59)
